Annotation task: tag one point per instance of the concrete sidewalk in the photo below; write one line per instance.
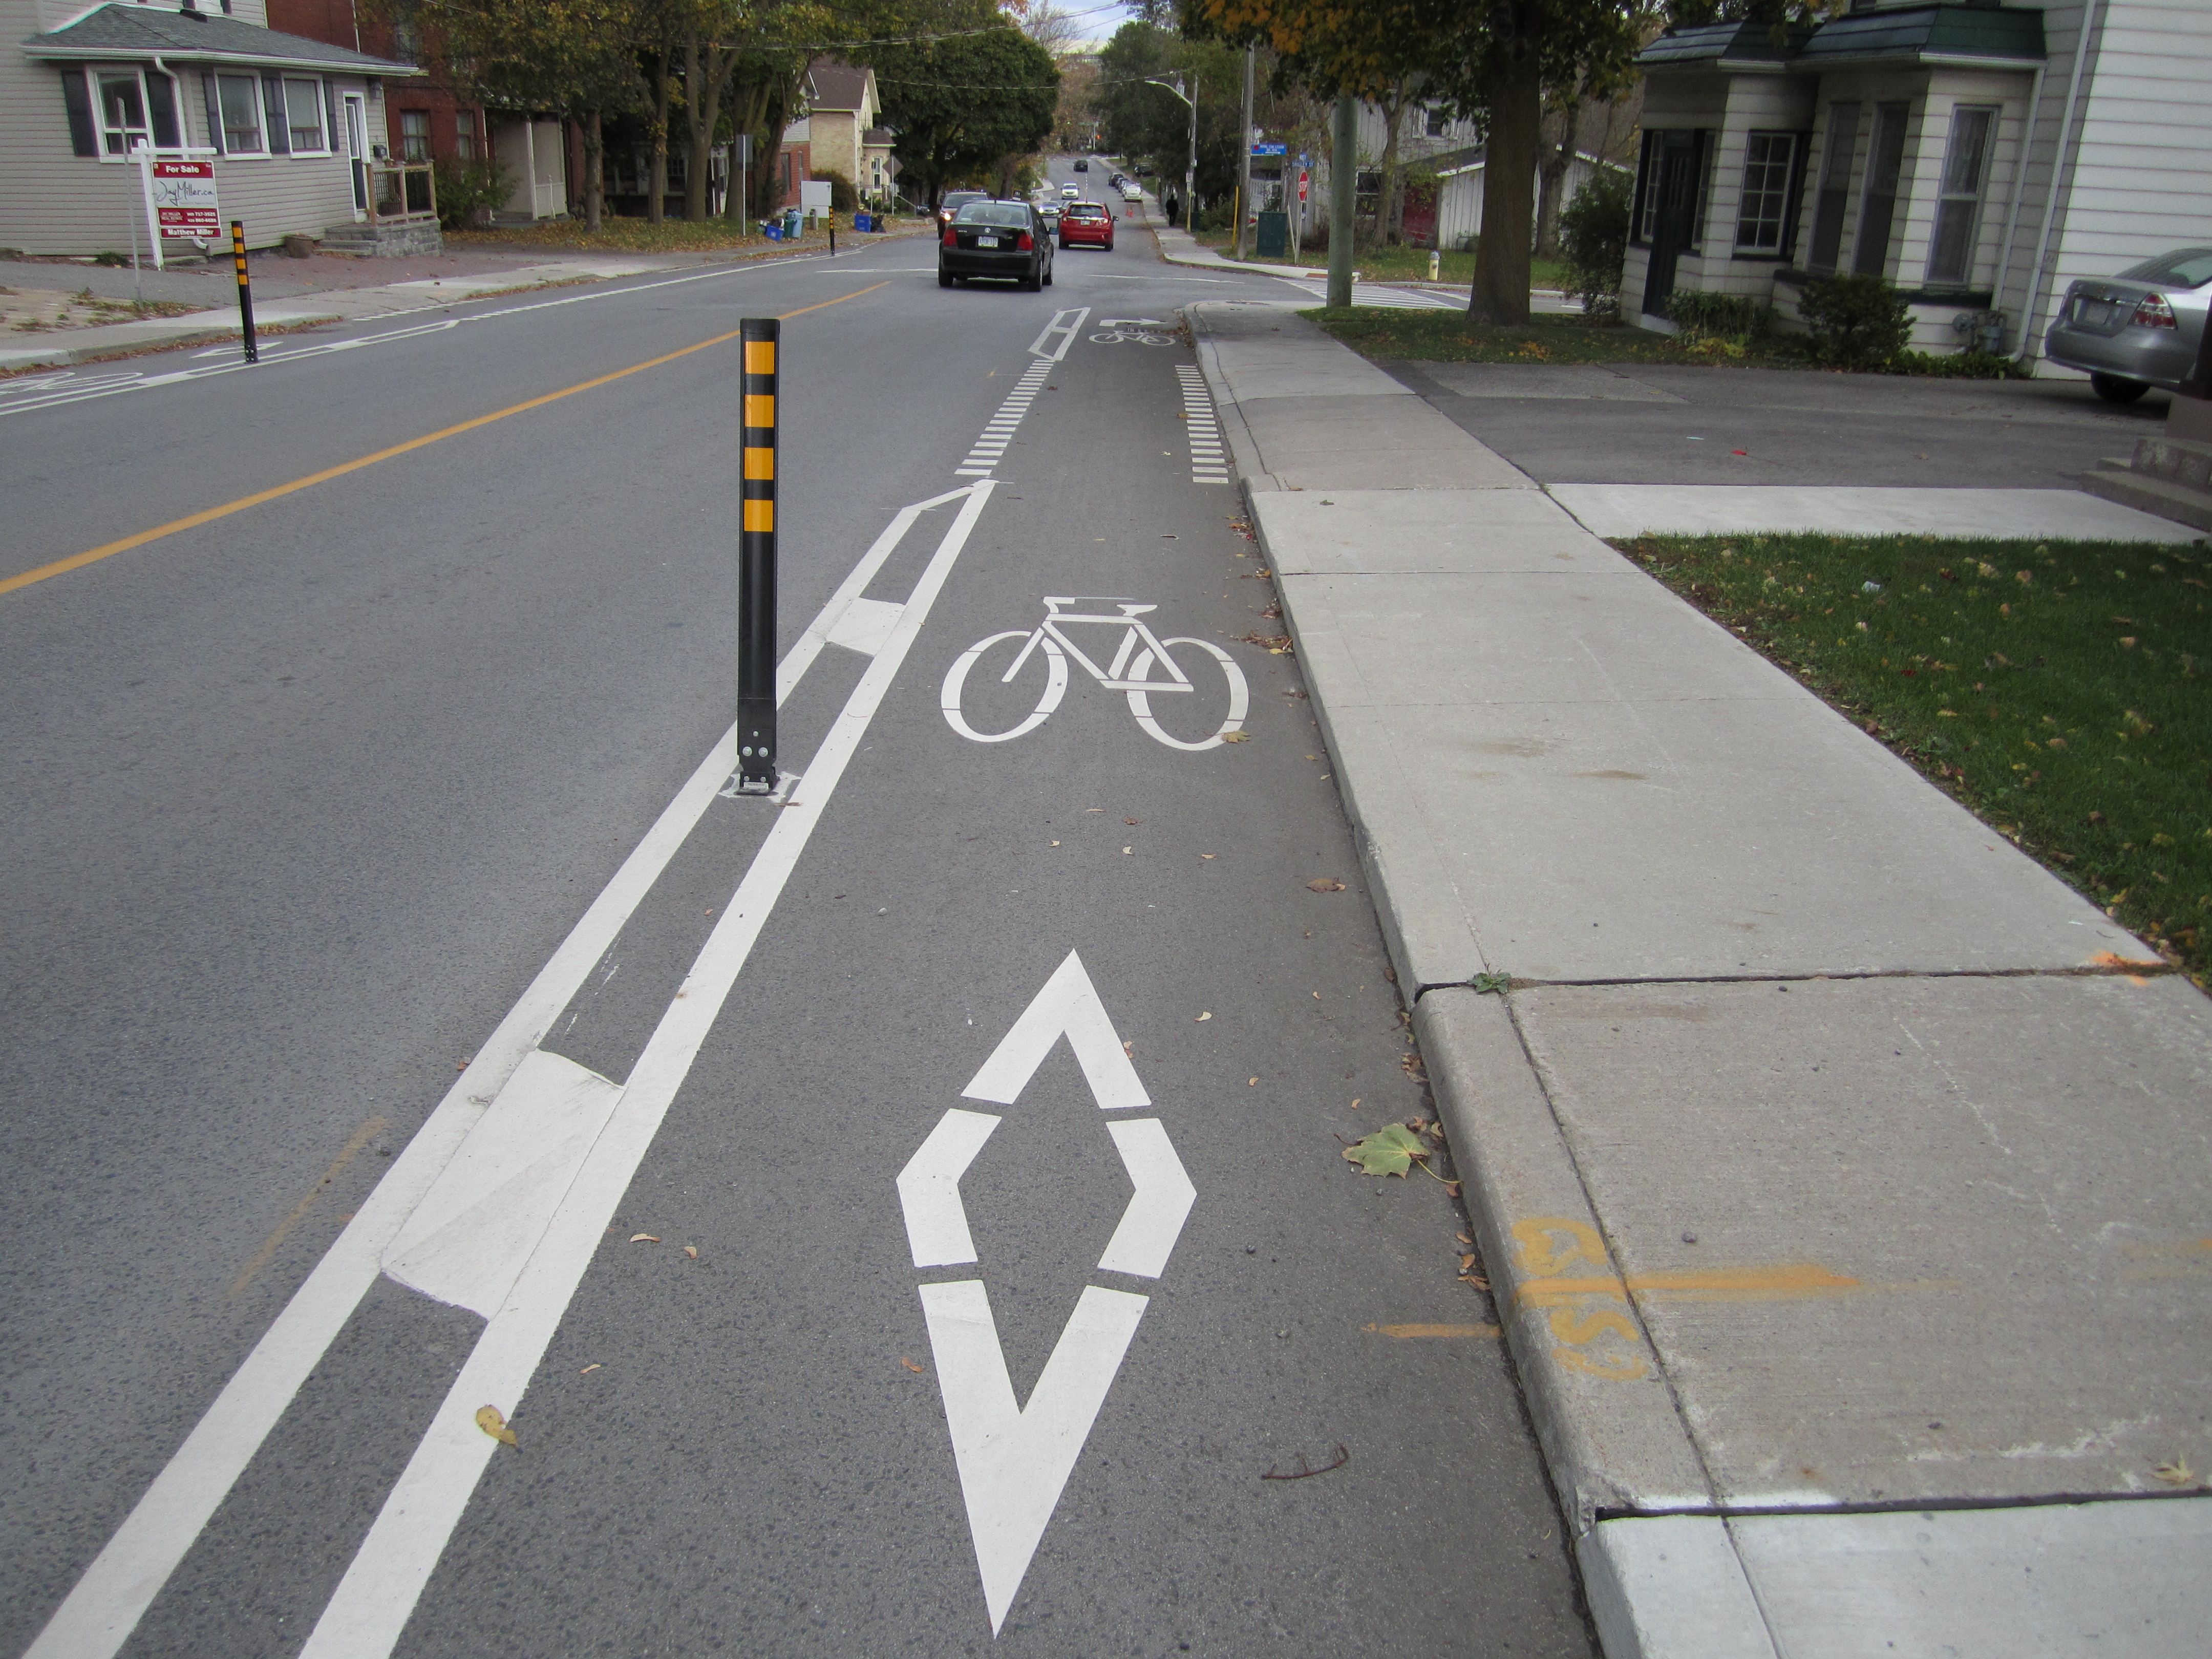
(1841, 1172)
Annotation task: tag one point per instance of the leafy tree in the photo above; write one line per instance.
(1489, 59)
(965, 105)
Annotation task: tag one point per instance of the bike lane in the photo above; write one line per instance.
(819, 1390)
(801, 1441)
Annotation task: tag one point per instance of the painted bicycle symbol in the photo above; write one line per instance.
(1131, 330)
(1141, 669)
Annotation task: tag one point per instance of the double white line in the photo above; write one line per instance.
(374, 1601)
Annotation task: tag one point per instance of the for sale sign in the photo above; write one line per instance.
(183, 194)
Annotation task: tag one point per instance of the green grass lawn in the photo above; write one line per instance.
(1402, 264)
(2057, 688)
(1444, 336)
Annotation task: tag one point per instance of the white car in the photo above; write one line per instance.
(1133, 193)
(1069, 192)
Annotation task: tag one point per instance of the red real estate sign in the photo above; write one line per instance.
(183, 195)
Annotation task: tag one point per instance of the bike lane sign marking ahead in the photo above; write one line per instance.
(1130, 671)
(1014, 1460)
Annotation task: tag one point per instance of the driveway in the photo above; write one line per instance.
(1592, 424)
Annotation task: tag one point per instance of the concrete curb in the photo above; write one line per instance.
(1612, 1435)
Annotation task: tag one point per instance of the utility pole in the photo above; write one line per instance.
(1190, 174)
(1244, 154)
(1343, 196)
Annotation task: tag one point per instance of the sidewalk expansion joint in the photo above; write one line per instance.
(1902, 1506)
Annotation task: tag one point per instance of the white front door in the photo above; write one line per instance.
(356, 139)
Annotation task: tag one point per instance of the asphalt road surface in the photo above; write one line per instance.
(904, 1215)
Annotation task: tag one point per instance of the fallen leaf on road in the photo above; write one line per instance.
(1205, 855)
(1126, 850)
(1476, 1279)
(1094, 809)
(1390, 1151)
(643, 1238)
(589, 1368)
(489, 1420)
(1202, 1017)
(1133, 820)
(909, 1364)
(1324, 884)
(691, 1250)
(1411, 1064)
(1251, 1082)
(1055, 843)
(1236, 737)
(2176, 1474)
(1466, 1264)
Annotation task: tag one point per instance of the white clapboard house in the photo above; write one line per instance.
(295, 128)
(1980, 156)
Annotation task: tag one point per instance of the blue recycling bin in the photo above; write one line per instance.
(771, 229)
(862, 221)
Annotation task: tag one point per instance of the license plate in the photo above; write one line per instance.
(986, 241)
(2092, 313)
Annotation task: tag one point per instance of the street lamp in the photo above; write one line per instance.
(1190, 176)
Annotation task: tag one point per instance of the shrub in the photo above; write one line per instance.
(1736, 317)
(469, 190)
(1957, 366)
(1853, 322)
(110, 257)
(1593, 239)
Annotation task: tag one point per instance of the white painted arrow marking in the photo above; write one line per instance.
(929, 1188)
(1014, 1461)
(1068, 1006)
(1158, 1209)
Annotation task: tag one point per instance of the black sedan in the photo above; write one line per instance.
(996, 239)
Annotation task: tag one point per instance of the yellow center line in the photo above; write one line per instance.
(192, 521)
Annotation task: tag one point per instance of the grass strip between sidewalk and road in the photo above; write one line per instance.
(2057, 688)
(1432, 336)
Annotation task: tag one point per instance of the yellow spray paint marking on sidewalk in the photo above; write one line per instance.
(209, 515)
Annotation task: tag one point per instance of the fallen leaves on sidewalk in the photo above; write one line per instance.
(1277, 645)
(2176, 1474)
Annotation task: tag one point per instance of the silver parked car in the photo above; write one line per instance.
(2137, 330)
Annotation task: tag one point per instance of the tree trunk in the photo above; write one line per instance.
(656, 174)
(595, 176)
(1558, 160)
(705, 70)
(1500, 299)
(1389, 211)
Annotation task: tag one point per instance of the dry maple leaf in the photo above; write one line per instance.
(2176, 1474)
(1236, 737)
(489, 1420)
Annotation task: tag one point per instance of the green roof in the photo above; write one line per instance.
(1930, 34)
(197, 37)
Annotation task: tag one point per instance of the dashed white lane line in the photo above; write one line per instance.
(1209, 464)
(1048, 348)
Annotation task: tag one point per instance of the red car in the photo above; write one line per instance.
(1086, 221)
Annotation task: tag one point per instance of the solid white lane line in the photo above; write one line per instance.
(106, 1603)
(366, 1616)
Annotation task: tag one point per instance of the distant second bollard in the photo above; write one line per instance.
(245, 290)
(756, 564)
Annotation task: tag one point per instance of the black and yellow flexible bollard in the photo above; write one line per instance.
(245, 290)
(756, 564)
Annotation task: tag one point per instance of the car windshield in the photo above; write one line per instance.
(1013, 214)
(2186, 267)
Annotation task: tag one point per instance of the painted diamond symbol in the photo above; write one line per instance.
(1014, 1459)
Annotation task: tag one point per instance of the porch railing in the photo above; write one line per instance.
(402, 193)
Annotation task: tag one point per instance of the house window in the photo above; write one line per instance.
(122, 113)
(1647, 189)
(1837, 154)
(1767, 159)
(239, 97)
(415, 135)
(1437, 123)
(1965, 163)
(1885, 165)
(303, 116)
(464, 135)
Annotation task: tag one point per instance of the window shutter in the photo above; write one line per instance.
(162, 111)
(83, 141)
(279, 126)
(214, 110)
